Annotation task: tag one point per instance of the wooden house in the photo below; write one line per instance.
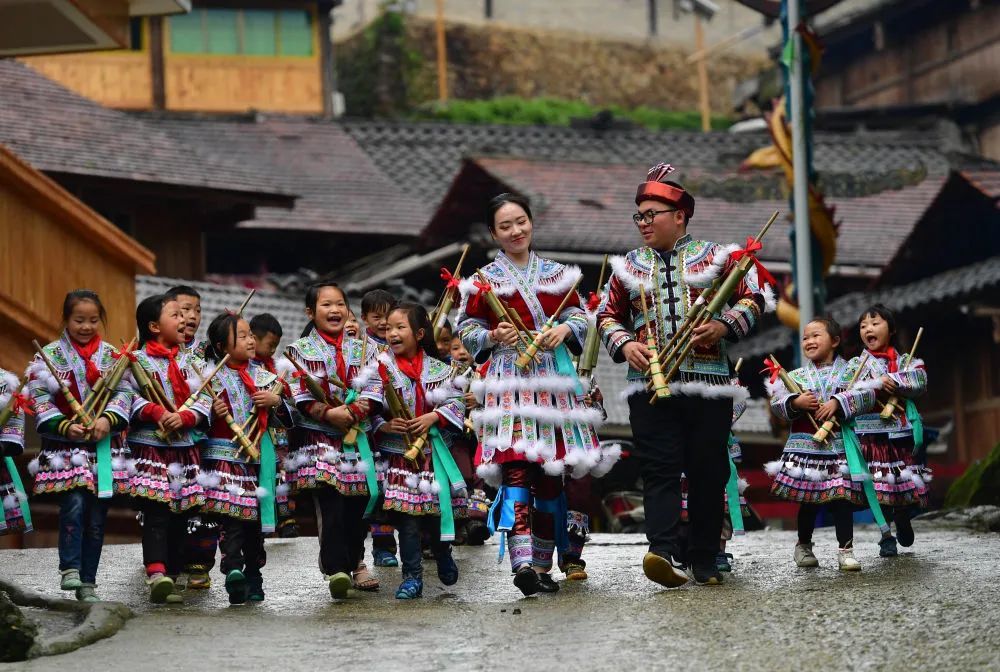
(167, 195)
(53, 243)
(222, 56)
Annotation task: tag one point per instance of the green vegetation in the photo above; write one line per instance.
(555, 112)
(980, 484)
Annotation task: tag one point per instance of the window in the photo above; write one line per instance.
(250, 32)
(135, 35)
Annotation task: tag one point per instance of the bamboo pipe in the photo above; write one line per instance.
(893, 403)
(528, 355)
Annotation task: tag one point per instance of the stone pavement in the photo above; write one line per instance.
(937, 606)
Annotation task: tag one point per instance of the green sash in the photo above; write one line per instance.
(733, 498)
(364, 450)
(105, 487)
(22, 496)
(916, 422)
(268, 478)
(564, 366)
(447, 476)
(859, 472)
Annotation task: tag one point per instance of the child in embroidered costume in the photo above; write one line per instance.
(470, 512)
(13, 496)
(202, 538)
(533, 426)
(168, 462)
(579, 495)
(443, 342)
(189, 301)
(688, 431)
(888, 446)
(340, 476)
(73, 455)
(723, 561)
(267, 335)
(811, 473)
(383, 541)
(419, 493)
(375, 308)
(238, 487)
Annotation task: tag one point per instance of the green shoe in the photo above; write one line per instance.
(340, 583)
(70, 579)
(161, 588)
(236, 586)
(255, 588)
(85, 593)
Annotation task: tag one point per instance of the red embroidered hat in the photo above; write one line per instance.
(655, 189)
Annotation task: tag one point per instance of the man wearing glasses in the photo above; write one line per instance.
(689, 431)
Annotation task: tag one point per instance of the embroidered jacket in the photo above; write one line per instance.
(440, 395)
(537, 413)
(673, 280)
(145, 431)
(50, 405)
(533, 294)
(319, 358)
(12, 433)
(911, 382)
(219, 444)
(826, 383)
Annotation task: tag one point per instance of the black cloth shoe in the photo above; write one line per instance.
(887, 547)
(476, 533)
(526, 579)
(255, 588)
(706, 574)
(904, 529)
(547, 584)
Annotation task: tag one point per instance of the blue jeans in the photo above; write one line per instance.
(81, 532)
(410, 530)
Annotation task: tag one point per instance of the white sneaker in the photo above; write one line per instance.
(804, 556)
(847, 562)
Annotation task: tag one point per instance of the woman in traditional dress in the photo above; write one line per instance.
(533, 425)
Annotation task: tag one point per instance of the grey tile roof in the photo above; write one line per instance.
(982, 278)
(57, 130)
(585, 207)
(432, 151)
(340, 189)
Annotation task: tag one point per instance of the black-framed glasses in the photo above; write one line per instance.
(649, 215)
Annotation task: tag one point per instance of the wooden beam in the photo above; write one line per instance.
(442, 54)
(156, 69)
(23, 319)
(958, 411)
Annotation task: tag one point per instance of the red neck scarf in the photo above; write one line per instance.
(890, 356)
(413, 369)
(243, 370)
(174, 374)
(86, 352)
(337, 343)
(267, 363)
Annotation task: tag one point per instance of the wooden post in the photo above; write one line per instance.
(699, 42)
(958, 413)
(442, 55)
(156, 64)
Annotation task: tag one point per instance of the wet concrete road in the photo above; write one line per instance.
(937, 606)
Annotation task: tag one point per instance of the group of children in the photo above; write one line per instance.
(871, 456)
(213, 441)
